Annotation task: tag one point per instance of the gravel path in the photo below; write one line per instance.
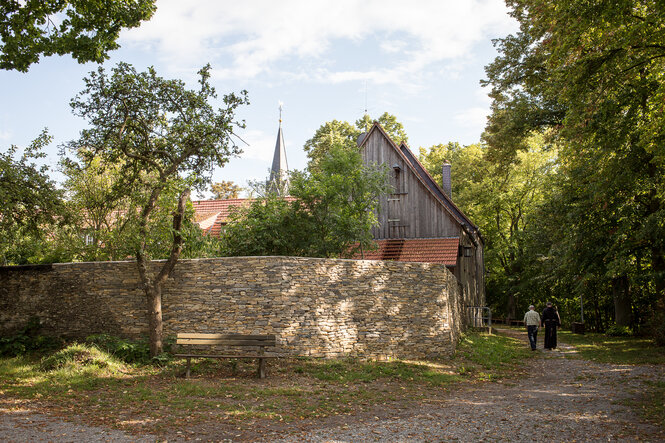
(21, 425)
(562, 399)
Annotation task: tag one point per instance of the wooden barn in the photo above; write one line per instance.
(419, 221)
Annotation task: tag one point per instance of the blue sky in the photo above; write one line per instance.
(419, 60)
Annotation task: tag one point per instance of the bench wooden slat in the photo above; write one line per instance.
(198, 341)
(240, 340)
(226, 336)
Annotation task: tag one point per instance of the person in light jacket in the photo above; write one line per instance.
(532, 320)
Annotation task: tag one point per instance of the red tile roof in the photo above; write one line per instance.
(427, 250)
(211, 215)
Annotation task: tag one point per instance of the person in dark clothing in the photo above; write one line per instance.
(551, 320)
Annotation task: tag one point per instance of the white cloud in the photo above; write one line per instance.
(261, 146)
(259, 36)
(5, 135)
(472, 118)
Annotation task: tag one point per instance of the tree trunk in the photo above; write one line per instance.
(622, 301)
(511, 309)
(658, 263)
(154, 300)
(153, 287)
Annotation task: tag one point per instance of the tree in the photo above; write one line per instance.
(86, 29)
(500, 199)
(166, 139)
(97, 209)
(330, 134)
(338, 200)
(31, 203)
(225, 190)
(592, 74)
(330, 215)
(389, 123)
(341, 133)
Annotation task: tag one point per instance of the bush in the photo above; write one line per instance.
(618, 331)
(76, 356)
(27, 340)
(124, 350)
(656, 328)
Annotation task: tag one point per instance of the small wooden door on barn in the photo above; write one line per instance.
(398, 225)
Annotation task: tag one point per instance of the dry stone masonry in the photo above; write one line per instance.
(316, 307)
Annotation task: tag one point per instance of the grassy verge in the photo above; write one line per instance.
(653, 406)
(615, 350)
(85, 382)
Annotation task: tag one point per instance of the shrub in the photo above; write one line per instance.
(125, 350)
(27, 339)
(618, 331)
(76, 356)
(656, 328)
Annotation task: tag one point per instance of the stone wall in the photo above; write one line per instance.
(317, 307)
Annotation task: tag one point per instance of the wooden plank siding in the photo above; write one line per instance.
(411, 211)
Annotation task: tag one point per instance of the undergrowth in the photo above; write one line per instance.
(107, 376)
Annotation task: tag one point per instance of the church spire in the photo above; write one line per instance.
(279, 178)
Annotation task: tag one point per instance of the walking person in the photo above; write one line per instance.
(551, 321)
(532, 320)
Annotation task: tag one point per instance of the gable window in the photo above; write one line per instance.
(397, 179)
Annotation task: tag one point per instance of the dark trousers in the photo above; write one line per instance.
(550, 334)
(532, 331)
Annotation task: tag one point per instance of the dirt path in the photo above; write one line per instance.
(562, 399)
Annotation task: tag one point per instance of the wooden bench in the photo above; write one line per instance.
(227, 340)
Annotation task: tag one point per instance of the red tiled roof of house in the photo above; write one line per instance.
(427, 250)
(211, 215)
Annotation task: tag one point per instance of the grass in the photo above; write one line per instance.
(496, 355)
(653, 406)
(615, 350)
(83, 381)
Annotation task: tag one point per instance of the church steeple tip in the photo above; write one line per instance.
(279, 172)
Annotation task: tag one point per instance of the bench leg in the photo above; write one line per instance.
(189, 361)
(262, 367)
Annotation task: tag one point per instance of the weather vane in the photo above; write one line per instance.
(281, 105)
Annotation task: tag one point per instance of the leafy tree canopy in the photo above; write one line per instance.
(31, 203)
(344, 134)
(591, 76)
(500, 199)
(165, 139)
(225, 190)
(86, 29)
(330, 215)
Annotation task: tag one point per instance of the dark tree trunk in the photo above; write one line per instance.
(622, 301)
(153, 287)
(658, 262)
(511, 309)
(154, 300)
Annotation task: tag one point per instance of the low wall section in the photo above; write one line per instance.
(317, 307)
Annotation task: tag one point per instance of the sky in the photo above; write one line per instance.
(421, 61)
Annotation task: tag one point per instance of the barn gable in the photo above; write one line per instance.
(417, 207)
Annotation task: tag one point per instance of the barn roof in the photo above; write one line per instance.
(425, 250)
